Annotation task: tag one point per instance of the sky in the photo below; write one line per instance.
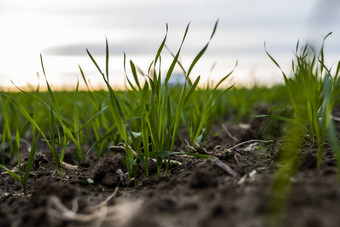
(62, 30)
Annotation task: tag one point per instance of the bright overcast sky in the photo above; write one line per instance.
(62, 30)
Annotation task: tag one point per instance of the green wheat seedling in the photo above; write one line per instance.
(6, 131)
(9, 120)
(23, 175)
(311, 92)
(287, 167)
(204, 106)
(117, 114)
(77, 129)
(161, 113)
(158, 118)
(198, 117)
(101, 129)
(61, 132)
(331, 90)
(72, 131)
(30, 119)
(293, 143)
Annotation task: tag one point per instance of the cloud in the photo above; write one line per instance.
(99, 49)
(150, 48)
(325, 12)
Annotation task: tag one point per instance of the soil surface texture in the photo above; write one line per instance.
(231, 188)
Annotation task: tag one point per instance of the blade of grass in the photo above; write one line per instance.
(30, 159)
(200, 54)
(34, 123)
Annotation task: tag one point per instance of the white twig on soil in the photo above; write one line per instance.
(228, 133)
(235, 157)
(68, 166)
(196, 149)
(336, 118)
(223, 166)
(174, 162)
(75, 205)
(188, 145)
(104, 203)
(242, 180)
(120, 214)
(117, 149)
(122, 150)
(249, 141)
(250, 175)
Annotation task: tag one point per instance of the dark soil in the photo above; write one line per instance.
(196, 193)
